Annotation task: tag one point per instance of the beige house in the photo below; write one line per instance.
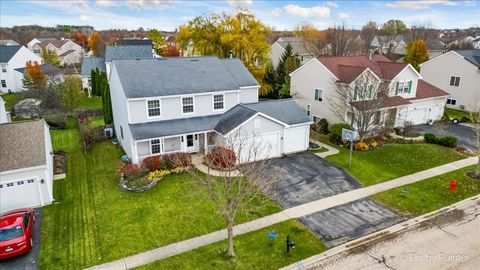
(298, 47)
(69, 52)
(406, 97)
(458, 73)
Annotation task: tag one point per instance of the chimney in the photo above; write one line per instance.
(230, 54)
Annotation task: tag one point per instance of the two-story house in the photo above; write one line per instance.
(91, 63)
(298, 46)
(167, 105)
(11, 58)
(406, 97)
(457, 73)
(68, 52)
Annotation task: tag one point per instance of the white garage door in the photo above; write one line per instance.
(418, 116)
(19, 194)
(294, 139)
(259, 147)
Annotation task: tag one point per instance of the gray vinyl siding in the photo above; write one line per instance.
(143, 148)
(171, 107)
(249, 95)
(172, 144)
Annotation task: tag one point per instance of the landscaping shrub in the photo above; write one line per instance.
(180, 159)
(130, 171)
(152, 163)
(448, 141)
(56, 122)
(221, 157)
(360, 146)
(152, 176)
(430, 137)
(335, 135)
(323, 126)
(373, 144)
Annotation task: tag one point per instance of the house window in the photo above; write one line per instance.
(454, 81)
(256, 123)
(404, 87)
(376, 118)
(370, 91)
(155, 146)
(316, 119)
(4, 83)
(30, 181)
(153, 107)
(308, 110)
(36, 50)
(451, 101)
(187, 105)
(218, 102)
(318, 94)
(4, 68)
(121, 132)
(9, 184)
(301, 58)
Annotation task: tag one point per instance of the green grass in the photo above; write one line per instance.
(391, 161)
(11, 100)
(91, 102)
(430, 194)
(254, 251)
(94, 222)
(98, 122)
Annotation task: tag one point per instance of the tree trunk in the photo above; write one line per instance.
(230, 251)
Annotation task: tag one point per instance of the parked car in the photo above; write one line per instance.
(16, 232)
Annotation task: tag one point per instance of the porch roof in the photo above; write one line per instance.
(166, 128)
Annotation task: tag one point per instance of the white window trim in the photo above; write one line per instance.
(313, 118)
(150, 146)
(193, 104)
(213, 102)
(459, 80)
(451, 101)
(403, 86)
(315, 93)
(159, 102)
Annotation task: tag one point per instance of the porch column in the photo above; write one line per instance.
(205, 143)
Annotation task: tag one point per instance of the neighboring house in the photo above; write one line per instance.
(435, 48)
(168, 105)
(4, 115)
(26, 165)
(91, 63)
(298, 46)
(36, 41)
(53, 75)
(8, 42)
(458, 73)
(11, 58)
(125, 53)
(387, 44)
(69, 52)
(134, 42)
(476, 43)
(406, 98)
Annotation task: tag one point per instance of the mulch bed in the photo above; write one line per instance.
(59, 163)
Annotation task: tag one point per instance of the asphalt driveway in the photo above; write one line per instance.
(349, 221)
(306, 177)
(27, 261)
(465, 134)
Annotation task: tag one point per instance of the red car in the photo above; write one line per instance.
(16, 232)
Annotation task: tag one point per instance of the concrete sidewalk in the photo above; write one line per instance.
(331, 150)
(294, 212)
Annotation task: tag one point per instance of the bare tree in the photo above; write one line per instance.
(423, 31)
(361, 103)
(240, 178)
(368, 33)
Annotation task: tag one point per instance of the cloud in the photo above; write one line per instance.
(106, 3)
(276, 12)
(343, 15)
(239, 3)
(421, 4)
(331, 4)
(316, 11)
(145, 4)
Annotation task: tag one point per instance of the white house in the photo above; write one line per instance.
(4, 114)
(406, 97)
(69, 52)
(298, 47)
(53, 75)
(11, 58)
(91, 63)
(458, 73)
(26, 165)
(125, 52)
(167, 105)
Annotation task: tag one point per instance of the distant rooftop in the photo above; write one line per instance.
(128, 52)
(92, 63)
(134, 42)
(7, 52)
(473, 56)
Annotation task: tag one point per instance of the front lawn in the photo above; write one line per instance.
(391, 161)
(11, 100)
(430, 194)
(93, 221)
(91, 102)
(254, 251)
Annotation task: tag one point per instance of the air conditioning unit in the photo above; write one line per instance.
(108, 132)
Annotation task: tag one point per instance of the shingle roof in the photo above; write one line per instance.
(134, 42)
(233, 118)
(22, 144)
(473, 56)
(128, 52)
(56, 42)
(173, 127)
(92, 62)
(284, 110)
(9, 42)
(7, 52)
(435, 45)
(182, 75)
(47, 69)
(298, 46)
(347, 68)
(46, 39)
(426, 90)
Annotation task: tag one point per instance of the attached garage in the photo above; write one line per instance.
(296, 139)
(26, 165)
(417, 116)
(258, 147)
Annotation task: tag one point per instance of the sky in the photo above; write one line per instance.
(281, 15)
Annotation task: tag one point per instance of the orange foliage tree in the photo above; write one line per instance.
(96, 44)
(81, 39)
(34, 71)
(170, 51)
(416, 53)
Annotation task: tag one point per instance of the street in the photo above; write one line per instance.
(450, 241)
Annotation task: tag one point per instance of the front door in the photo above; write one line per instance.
(192, 143)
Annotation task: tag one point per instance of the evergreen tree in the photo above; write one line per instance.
(27, 82)
(288, 63)
(93, 82)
